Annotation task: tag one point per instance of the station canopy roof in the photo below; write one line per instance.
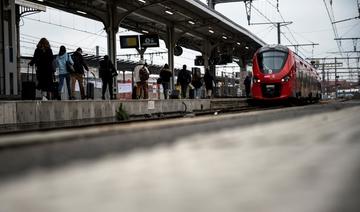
(194, 22)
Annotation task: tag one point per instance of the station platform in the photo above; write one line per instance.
(18, 116)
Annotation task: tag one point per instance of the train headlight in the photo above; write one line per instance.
(256, 80)
(285, 79)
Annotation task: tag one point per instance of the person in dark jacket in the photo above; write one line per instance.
(247, 83)
(209, 83)
(184, 79)
(165, 75)
(43, 59)
(106, 72)
(79, 65)
(197, 83)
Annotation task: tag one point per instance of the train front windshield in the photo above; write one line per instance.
(271, 62)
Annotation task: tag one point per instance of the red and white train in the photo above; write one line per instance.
(280, 74)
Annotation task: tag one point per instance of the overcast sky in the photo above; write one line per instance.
(311, 24)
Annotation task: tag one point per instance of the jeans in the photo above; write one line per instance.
(66, 77)
(197, 93)
(80, 78)
(184, 90)
(166, 86)
(142, 90)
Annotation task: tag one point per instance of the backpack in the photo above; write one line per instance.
(143, 74)
(184, 77)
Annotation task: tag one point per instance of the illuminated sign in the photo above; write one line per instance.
(149, 41)
(136, 41)
(129, 41)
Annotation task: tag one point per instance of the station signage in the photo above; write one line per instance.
(217, 60)
(178, 51)
(199, 61)
(149, 40)
(142, 41)
(129, 41)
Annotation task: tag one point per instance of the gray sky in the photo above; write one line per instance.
(310, 24)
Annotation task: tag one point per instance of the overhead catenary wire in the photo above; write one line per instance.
(331, 17)
(288, 28)
(275, 25)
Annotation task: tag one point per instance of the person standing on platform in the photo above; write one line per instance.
(79, 65)
(209, 83)
(184, 79)
(141, 75)
(44, 60)
(247, 83)
(165, 75)
(197, 83)
(61, 61)
(106, 72)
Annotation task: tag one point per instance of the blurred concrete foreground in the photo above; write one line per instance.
(309, 164)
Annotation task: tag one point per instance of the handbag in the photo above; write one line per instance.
(159, 80)
(69, 67)
(114, 74)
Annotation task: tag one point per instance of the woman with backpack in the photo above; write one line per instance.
(141, 75)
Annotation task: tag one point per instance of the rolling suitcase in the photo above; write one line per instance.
(55, 90)
(28, 87)
(175, 94)
(90, 90)
(192, 94)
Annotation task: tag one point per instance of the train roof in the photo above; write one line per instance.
(282, 48)
(274, 47)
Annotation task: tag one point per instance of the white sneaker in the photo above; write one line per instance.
(44, 98)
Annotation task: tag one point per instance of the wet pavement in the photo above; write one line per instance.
(298, 163)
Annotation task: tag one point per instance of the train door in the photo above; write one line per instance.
(297, 79)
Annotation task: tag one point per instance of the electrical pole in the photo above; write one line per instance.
(278, 33)
(336, 81)
(353, 39)
(278, 25)
(323, 80)
(337, 69)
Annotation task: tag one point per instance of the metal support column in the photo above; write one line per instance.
(278, 33)
(170, 46)
(243, 73)
(336, 81)
(9, 74)
(323, 80)
(111, 30)
(208, 51)
(211, 4)
(2, 50)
